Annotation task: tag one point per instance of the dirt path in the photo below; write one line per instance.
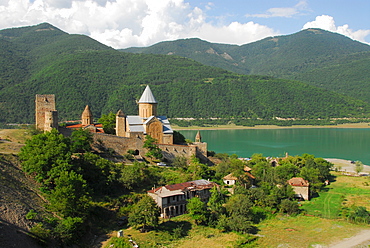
(362, 238)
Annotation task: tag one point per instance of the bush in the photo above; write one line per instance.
(289, 207)
(31, 215)
(69, 230)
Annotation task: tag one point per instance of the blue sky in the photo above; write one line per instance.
(126, 23)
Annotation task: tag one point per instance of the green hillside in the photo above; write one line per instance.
(79, 71)
(309, 56)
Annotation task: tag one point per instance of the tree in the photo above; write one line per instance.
(215, 205)
(81, 140)
(132, 175)
(197, 210)
(45, 155)
(216, 201)
(312, 175)
(240, 214)
(289, 207)
(144, 214)
(109, 123)
(69, 229)
(153, 150)
(359, 166)
(197, 169)
(180, 162)
(70, 196)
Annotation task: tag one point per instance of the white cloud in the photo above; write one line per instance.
(124, 23)
(288, 12)
(234, 33)
(327, 22)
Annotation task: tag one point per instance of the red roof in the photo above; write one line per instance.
(298, 182)
(198, 184)
(99, 127)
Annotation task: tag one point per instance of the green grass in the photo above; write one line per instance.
(328, 205)
(304, 231)
(344, 192)
(192, 235)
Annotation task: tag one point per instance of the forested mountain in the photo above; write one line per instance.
(315, 56)
(79, 71)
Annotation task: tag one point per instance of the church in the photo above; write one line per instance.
(130, 129)
(147, 122)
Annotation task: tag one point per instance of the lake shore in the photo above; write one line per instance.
(346, 165)
(232, 126)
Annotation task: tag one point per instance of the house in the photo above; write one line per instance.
(301, 187)
(230, 179)
(172, 199)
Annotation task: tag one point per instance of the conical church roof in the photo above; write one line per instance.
(147, 96)
(87, 111)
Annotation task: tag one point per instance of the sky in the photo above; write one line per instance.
(137, 23)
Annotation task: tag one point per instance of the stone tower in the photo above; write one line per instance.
(201, 146)
(87, 117)
(147, 104)
(51, 120)
(46, 114)
(198, 137)
(121, 124)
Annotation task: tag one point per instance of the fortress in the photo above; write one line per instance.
(130, 129)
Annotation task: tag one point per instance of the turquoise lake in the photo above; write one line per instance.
(343, 143)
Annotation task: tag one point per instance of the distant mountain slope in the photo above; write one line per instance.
(297, 56)
(81, 71)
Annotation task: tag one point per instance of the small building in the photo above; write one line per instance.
(230, 179)
(172, 199)
(301, 187)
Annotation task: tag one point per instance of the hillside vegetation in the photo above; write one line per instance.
(314, 56)
(80, 71)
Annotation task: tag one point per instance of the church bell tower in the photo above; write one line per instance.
(147, 104)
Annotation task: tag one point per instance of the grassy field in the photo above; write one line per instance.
(282, 231)
(304, 231)
(344, 192)
(193, 235)
(11, 140)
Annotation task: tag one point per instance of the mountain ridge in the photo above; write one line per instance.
(289, 56)
(81, 71)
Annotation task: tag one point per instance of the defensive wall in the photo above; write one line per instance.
(122, 144)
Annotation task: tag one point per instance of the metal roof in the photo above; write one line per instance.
(136, 123)
(147, 96)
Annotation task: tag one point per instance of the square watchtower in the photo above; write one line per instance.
(46, 114)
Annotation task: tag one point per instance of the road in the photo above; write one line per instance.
(362, 238)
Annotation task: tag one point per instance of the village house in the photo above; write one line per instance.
(230, 179)
(172, 199)
(301, 187)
